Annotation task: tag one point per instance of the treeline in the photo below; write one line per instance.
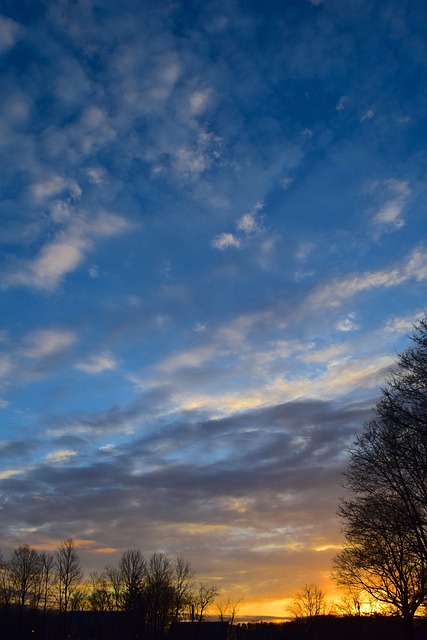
(44, 595)
(330, 627)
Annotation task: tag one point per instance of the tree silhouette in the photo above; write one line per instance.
(385, 519)
(68, 577)
(309, 603)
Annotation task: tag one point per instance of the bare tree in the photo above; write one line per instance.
(133, 572)
(385, 518)
(352, 600)
(382, 556)
(133, 576)
(309, 603)
(68, 578)
(47, 563)
(5, 582)
(153, 592)
(159, 593)
(184, 586)
(24, 572)
(227, 609)
(22, 575)
(203, 597)
(113, 577)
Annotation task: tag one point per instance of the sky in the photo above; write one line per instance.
(213, 244)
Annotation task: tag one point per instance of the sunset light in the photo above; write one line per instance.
(214, 244)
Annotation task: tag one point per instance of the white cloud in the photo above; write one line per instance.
(226, 338)
(331, 294)
(108, 224)
(60, 211)
(250, 222)
(304, 249)
(55, 185)
(47, 270)
(389, 216)
(347, 324)
(61, 455)
(247, 223)
(49, 187)
(235, 333)
(325, 355)
(193, 358)
(339, 376)
(367, 115)
(166, 77)
(400, 187)
(47, 342)
(63, 255)
(74, 189)
(9, 32)
(287, 182)
(343, 376)
(280, 349)
(416, 266)
(190, 162)
(108, 448)
(93, 131)
(342, 103)
(96, 175)
(9, 473)
(225, 241)
(403, 325)
(98, 363)
(199, 100)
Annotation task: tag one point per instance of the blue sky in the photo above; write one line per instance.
(213, 243)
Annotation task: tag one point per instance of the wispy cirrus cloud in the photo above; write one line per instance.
(67, 251)
(61, 455)
(55, 185)
(47, 342)
(389, 216)
(332, 294)
(98, 363)
(48, 269)
(368, 114)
